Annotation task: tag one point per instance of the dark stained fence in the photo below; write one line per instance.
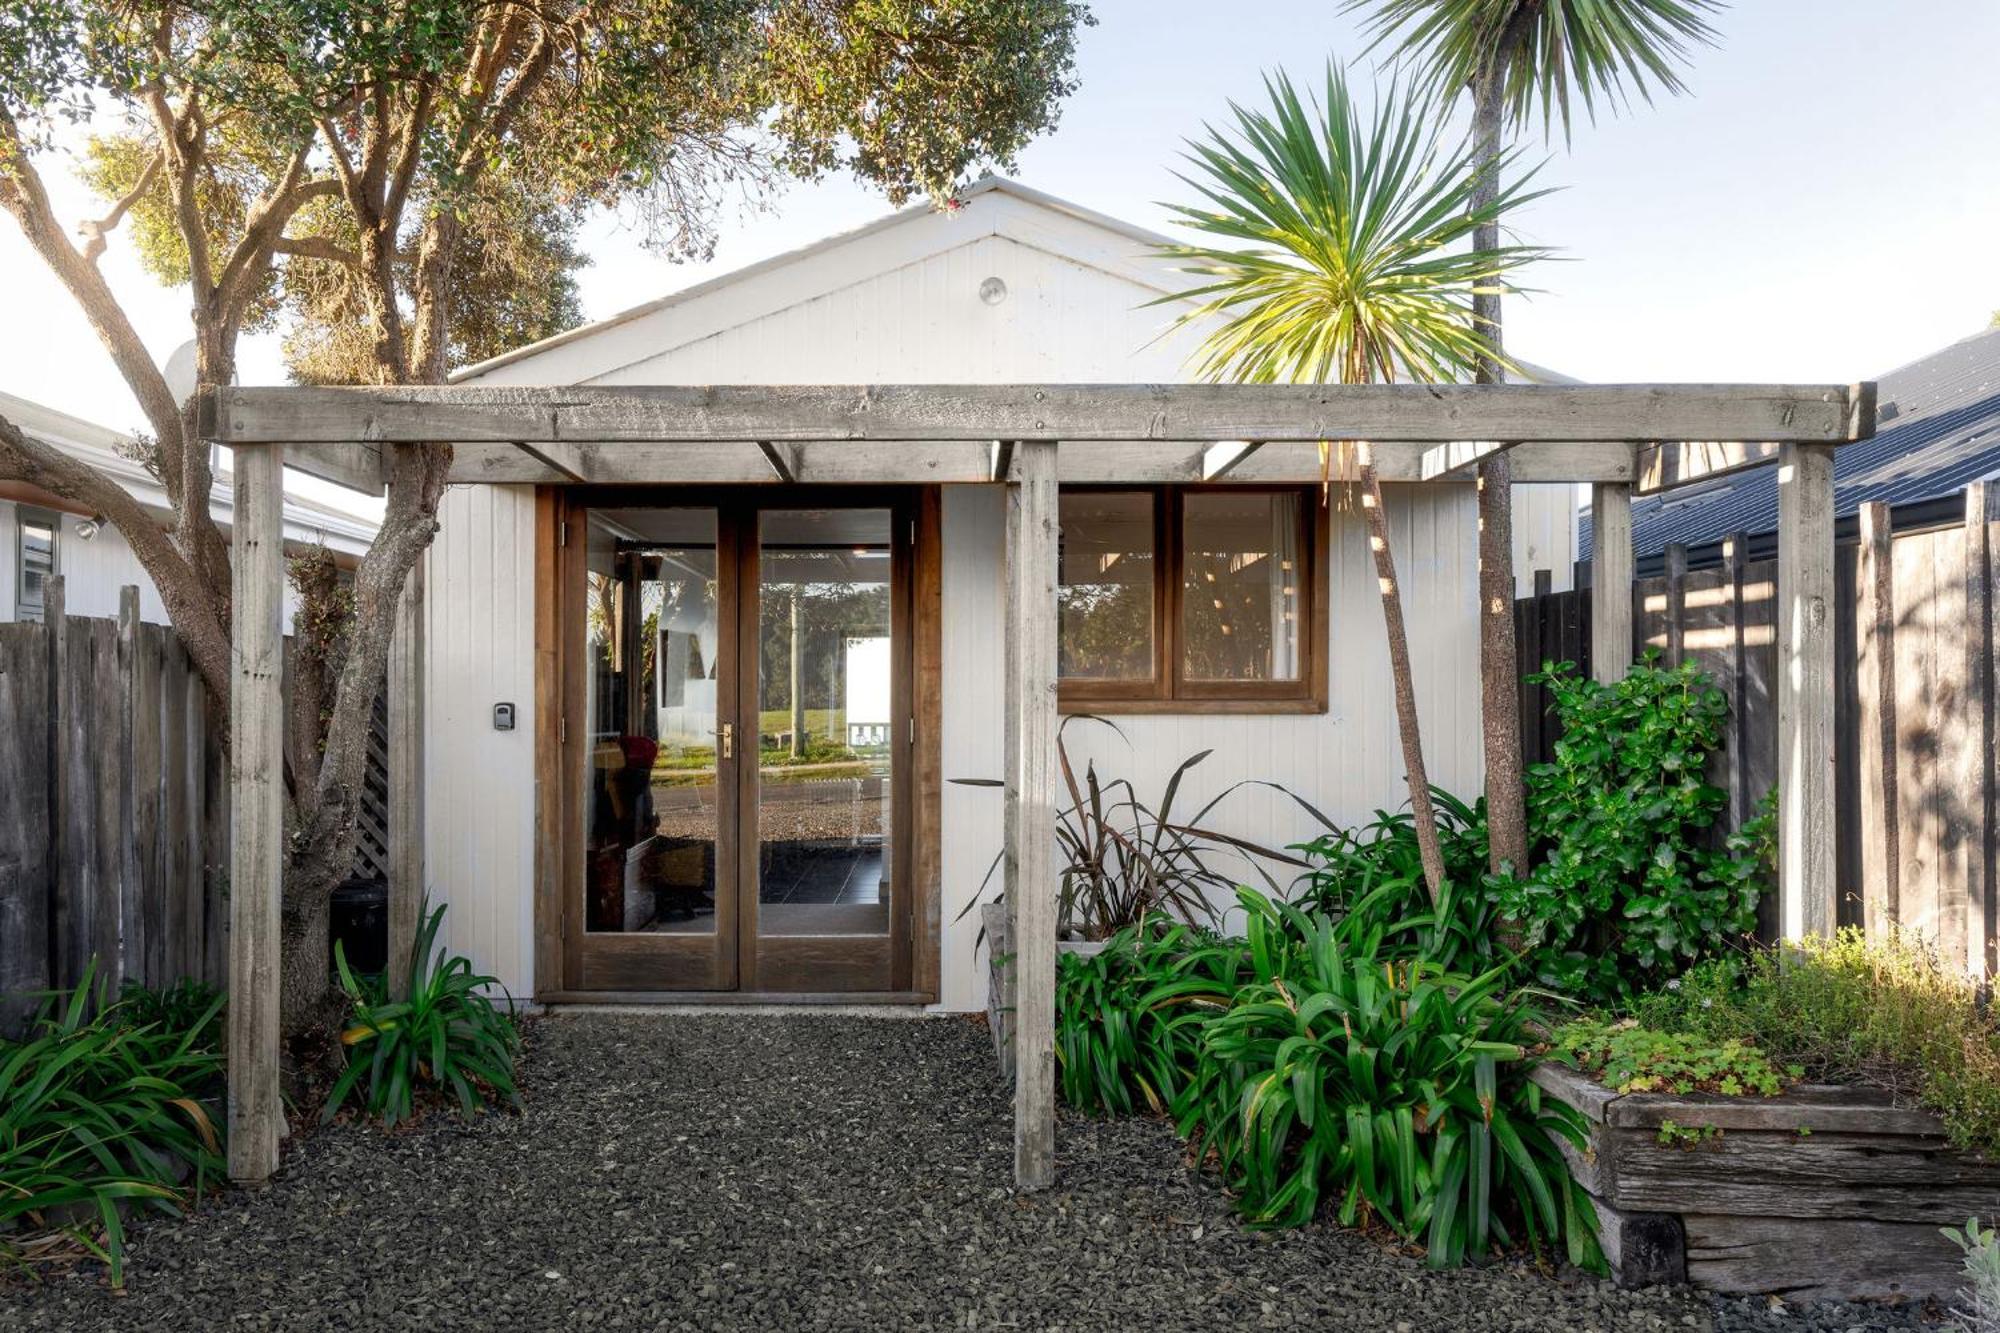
(1915, 705)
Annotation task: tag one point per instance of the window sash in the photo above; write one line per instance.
(1170, 688)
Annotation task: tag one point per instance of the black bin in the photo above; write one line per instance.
(359, 923)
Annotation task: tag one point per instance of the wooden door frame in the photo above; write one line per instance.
(557, 749)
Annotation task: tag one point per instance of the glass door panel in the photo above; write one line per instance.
(656, 892)
(827, 728)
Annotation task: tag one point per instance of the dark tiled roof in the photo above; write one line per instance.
(1938, 428)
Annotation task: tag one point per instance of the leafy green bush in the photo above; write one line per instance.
(447, 1037)
(1885, 1012)
(177, 1008)
(1631, 1058)
(1626, 889)
(1978, 1310)
(1391, 1088)
(98, 1109)
(1128, 1019)
(1371, 879)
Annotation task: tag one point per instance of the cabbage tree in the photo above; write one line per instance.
(1339, 248)
(1520, 60)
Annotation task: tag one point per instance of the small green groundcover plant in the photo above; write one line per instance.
(1978, 1308)
(446, 1039)
(106, 1105)
(1884, 1012)
(1626, 1057)
(1309, 1066)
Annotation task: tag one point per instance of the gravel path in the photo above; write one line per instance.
(806, 1172)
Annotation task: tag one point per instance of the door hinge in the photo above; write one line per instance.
(562, 533)
(562, 731)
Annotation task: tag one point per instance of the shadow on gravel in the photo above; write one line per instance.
(801, 1172)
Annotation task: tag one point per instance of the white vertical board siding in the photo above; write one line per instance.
(479, 783)
(901, 304)
(1346, 762)
(1545, 535)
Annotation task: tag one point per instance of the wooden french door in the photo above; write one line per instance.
(737, 740)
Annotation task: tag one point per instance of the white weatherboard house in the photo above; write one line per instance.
(700, 738)
(43, 535)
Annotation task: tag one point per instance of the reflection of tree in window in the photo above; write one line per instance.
(1105, 597)
(1240, 586)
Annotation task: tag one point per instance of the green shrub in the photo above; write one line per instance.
(1884, 1012)
(1371, 879)
(1128, 1019)
(1393, 1089)
(177, 1008)
(1630, 1058)
(1626, 889)
(97, 1110)
(447, 1037)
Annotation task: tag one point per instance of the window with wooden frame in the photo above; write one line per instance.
(1192, 599)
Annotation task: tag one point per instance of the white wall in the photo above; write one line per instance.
(479, 791)
(1347, 762)
(901, 304)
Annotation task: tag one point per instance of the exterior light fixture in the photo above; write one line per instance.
(993, 291)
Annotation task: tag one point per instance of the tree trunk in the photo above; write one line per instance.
(1499, 667)
(1399, 670)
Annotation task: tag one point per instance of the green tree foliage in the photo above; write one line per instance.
(396, 186)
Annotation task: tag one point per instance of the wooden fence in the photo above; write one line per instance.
(114, 808)
(1916, 636)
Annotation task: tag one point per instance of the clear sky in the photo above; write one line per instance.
(1823, 205)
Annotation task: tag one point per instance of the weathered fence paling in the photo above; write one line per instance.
(112, 821)
(1914, 831)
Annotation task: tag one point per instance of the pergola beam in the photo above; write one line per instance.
(1193, 413)
(1137, 462)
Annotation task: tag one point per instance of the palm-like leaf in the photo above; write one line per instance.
(1547, 51)
(1342, 241)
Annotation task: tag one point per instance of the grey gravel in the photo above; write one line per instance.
(805, 1172)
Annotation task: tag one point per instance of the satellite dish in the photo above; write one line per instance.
(180, 374)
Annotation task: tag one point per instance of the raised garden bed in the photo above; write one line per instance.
(1822, 1193)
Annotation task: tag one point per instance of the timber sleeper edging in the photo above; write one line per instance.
(1819, 1193)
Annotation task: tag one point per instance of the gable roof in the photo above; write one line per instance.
(1938, 430)
(990, 206)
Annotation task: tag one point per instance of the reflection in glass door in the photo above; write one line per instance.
(657, 901)
(827, 730)
(743, 691)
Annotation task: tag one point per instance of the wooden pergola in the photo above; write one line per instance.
(1621, 439)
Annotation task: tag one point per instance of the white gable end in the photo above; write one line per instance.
(906, 300)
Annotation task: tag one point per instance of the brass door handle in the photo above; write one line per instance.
(727, 731)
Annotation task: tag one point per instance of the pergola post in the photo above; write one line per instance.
(256, 793)
(406, 778)
(1611, 569)
(1031, 801)
(1806, 893)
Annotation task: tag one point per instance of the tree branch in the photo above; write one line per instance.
(25, 458)
(96, 233)
(23, 194)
